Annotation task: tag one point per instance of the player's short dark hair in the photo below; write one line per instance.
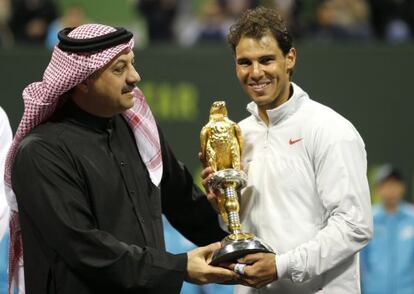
(255, 23)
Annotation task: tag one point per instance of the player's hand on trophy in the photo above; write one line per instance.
(200, 272)
(256, 270)
(206, 174)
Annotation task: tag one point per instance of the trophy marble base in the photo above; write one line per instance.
(231, 250)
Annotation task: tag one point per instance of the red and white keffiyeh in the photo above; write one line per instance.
(65, 71)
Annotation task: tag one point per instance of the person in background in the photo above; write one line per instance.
(160, 16)
(6, 36)
(72, 17)
(30, 20)
(5, 142)
(387, 262)
(342, 20)
(291, 11)
(393, 20)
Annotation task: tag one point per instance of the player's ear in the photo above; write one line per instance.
(290, 59)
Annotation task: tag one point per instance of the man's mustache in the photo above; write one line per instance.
(127, 89)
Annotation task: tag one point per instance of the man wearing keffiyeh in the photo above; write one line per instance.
(92, 173)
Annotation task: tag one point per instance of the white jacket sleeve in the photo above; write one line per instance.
(340, 168)
(5, 142)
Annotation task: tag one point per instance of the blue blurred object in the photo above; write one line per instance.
(387, 262)
(177, 243)
(4, 261)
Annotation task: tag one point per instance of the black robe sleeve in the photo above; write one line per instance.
(185, 206)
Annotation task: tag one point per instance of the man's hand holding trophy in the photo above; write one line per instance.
(221, 150)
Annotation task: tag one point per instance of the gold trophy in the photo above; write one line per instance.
(221, 148)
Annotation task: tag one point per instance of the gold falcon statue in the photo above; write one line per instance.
(221, 145)
(221, 140)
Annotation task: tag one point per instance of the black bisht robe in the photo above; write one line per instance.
(91, 217)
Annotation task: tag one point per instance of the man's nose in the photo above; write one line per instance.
(133, 76)
(256, 71)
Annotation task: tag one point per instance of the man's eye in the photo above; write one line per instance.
(266, 60)
(118, 70)
(243, 62)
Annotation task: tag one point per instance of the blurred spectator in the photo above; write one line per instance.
(291, 11)
(30, 20)
(393, 20)
(387, 262)
(160, 16)
(343, 19)
(213, 24)
(235, 8)
(210, 25)
(212, 21)
(5, 141)
(6, 37)
(73, 16)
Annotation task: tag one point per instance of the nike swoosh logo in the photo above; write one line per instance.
(291, 142)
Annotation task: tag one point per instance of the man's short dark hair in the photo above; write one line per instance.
(255, 23)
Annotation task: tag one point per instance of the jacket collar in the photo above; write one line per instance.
(282, 112)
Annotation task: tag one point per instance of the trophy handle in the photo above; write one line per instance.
(221, 199)
(229, 181)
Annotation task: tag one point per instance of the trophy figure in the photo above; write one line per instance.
(221, 147)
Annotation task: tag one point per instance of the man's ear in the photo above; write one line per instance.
(291, 59)
(84, 86)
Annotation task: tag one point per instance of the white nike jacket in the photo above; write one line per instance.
(307, 195)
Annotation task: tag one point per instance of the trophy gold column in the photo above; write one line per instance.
(221, 148)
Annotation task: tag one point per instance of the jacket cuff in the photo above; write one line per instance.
(170, 272)
(282, 263)
(178, 277)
